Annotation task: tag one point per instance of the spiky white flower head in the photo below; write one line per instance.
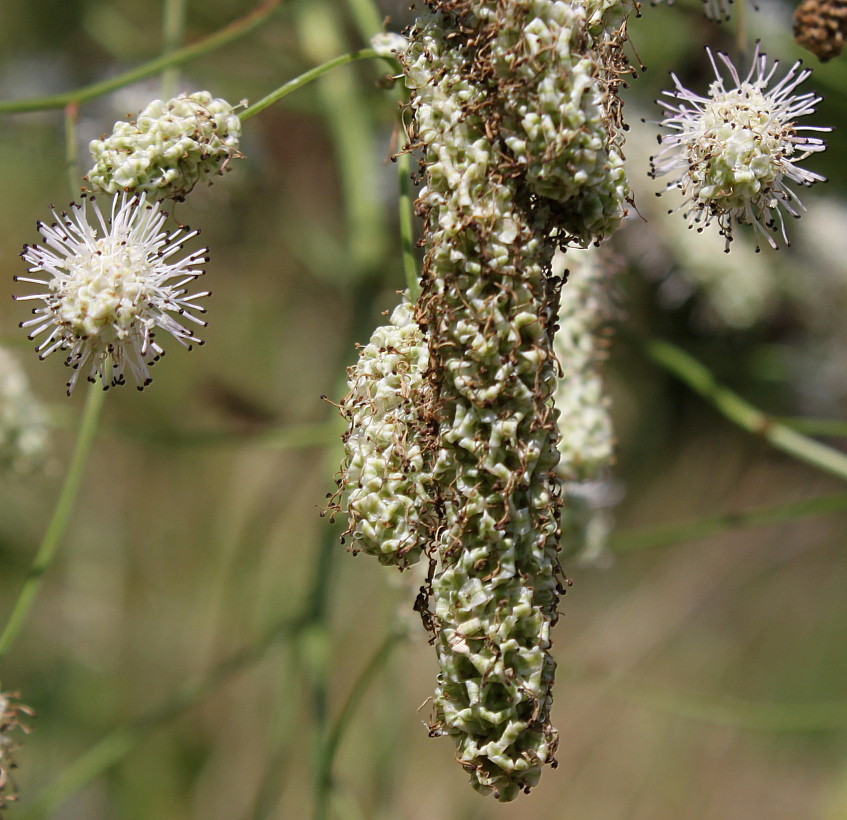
(110, 282)
(23, 422)
(171, 147)
(736, 150)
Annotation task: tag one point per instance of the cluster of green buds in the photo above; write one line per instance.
(452, 443)
(386, 485)
(168, 148)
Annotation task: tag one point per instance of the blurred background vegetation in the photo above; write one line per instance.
(202, 630)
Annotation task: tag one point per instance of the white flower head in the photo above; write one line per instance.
(736, 150)
(109, 283)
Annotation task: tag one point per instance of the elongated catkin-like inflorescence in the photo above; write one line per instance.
(493, 218)
(383, 477)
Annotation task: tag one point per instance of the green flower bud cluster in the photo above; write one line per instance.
(585, 426)
(493, 219)
(23, 421)
(561, 121)
(383, 477)
(171, 147)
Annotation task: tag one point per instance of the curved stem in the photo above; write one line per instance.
(228, 34)
(345, 716)
(59, 521)
(701, 380)
(305, 79)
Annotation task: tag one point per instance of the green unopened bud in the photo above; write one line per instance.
(384, 476)
(169, 148)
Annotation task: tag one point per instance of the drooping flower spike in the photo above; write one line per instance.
(735, 151)
(109, 284)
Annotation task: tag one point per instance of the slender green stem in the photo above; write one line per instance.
(118, 743)
(71, 153)
(407, 231)
(59, 521)
(667, 535)
(688, 370)
(333, 738)
(173, 30)
(815, 427)
(305, 79)
(235, 30)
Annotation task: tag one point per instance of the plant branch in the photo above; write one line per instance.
(345, 716)
(305, 79)
(235, 30)
(702, 381)
(59, 521)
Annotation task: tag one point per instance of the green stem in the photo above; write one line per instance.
(305, 79)
(118, 743)
(669, 534)
(815, 427)
(235, 30)
(59, 522)
(345, 716)
(688, 370)
(173, 30)
(407, 232)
